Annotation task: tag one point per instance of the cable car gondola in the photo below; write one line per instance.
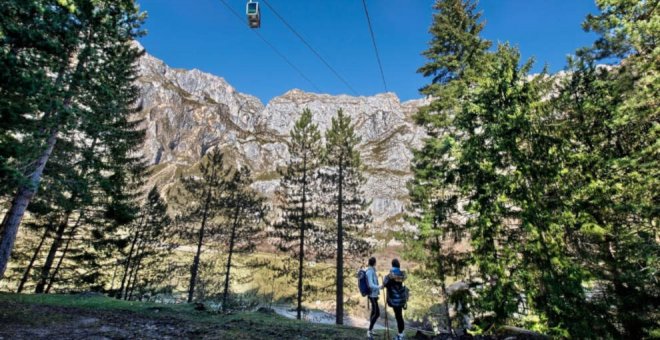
(253, 14)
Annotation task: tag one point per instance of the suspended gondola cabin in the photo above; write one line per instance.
(253, 14)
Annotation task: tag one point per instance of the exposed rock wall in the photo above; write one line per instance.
(188, 112)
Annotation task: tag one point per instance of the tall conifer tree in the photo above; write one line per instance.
(342, 181)
(299, 192)
(455, 59)
(610, 127)
(81, 29)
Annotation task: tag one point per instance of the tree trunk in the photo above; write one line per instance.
(66, 249)
(114, 275)
(2, 226)
(443, 286)
(633, 327)
(26, 274)
(301, 251)
(124, 294)
(133, 269)
(231, 251)
(26, 192)
(120, 293)
(135, 273)
(57, 242)
(195, 265)
(21, 201)
(340, 250)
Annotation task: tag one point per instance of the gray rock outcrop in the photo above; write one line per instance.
(188, 112)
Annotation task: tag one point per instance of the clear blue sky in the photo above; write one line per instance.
(203, 34)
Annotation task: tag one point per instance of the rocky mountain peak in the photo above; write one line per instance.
(188, 112)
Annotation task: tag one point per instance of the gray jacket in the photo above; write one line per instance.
(372, 278)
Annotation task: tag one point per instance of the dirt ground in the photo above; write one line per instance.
(53, 322)
(30, 320)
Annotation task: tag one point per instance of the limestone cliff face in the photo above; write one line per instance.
(187, 112)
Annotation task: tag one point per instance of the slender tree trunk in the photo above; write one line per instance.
(443, 286)
(57, 242)
(135, 273)
(26, 274)
(53, 276)
(133, 269)
(195, 265)
(124, 294)
(83, 174)
(633, 328)
(231, 252)
(21, 201)
(26, 192)
(301, 251)
(340, 249)
(114, 275)
(2, 226)
(120, 294)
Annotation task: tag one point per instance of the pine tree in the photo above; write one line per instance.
(101, 168)
(203, 197)
(455, 60)
(342, 181)
(488, 175)
(244, 211)
(36, 36)
(610, 134)
(298, 192)
(82, 29)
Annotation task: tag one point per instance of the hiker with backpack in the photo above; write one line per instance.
(373, 291)
(397, 294)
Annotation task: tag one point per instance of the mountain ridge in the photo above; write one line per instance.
(186, 113)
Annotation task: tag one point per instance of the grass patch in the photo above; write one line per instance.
(123, 317)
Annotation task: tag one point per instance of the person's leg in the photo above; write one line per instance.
(375, 312)
(398, 313)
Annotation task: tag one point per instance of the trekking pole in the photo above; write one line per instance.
(386, 335)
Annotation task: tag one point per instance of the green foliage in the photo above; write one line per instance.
(72, 92)
(610, 148)
(454, 57)
(552, 181)
(298, 192)
(342, 181)
(299, 187)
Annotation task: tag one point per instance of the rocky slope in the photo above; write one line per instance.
(188, 112)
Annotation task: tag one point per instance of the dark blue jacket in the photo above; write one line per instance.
(395, 289)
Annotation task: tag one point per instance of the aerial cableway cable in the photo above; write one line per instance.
(373, 40)
(312, 49)
(293, 66)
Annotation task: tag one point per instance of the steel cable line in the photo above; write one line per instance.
(293, 66)
(373, 39)
(312, 49)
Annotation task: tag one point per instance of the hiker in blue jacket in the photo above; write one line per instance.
(372, 278)
(396, 294)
